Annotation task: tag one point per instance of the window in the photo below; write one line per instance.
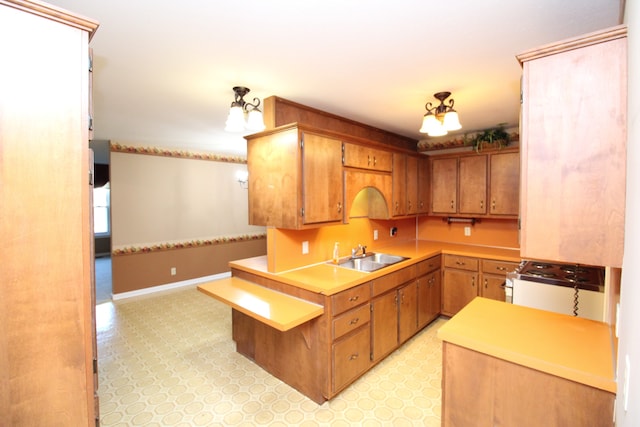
(101, 222)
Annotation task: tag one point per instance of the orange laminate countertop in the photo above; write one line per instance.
(276, 309)
(328, 279)
(573, 348)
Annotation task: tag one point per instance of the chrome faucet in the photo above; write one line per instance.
(354, 251)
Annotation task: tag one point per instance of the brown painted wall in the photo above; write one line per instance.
(143, 270)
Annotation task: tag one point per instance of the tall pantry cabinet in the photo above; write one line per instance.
(47, 331)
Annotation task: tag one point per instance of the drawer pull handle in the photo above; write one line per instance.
(353, 356)
(354, 321)
(501, 268)
(459, 263)
(353, 299)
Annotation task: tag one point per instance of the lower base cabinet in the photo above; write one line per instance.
(483, 391)
(351, 357)
(465, 278)
(384, 325)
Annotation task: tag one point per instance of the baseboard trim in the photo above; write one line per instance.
(168, 286)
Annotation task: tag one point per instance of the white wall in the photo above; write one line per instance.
(156, 199)
(629, 322)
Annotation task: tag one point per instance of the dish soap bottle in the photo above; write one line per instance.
(336, 252)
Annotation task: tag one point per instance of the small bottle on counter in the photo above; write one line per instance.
(336, 252)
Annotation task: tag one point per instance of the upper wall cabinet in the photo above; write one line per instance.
(476, 184)
(364, 157)
(405, 184)
(295, 178)
(573, 147)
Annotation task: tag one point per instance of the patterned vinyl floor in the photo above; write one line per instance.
(169, 360)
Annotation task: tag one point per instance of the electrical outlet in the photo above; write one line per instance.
(305, 247)
(375, 234)
(393, 231)
(467, 231)
(173, 271)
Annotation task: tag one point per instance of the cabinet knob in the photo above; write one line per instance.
(368, 160)
(473, 281)
(493, 205)
(501, 268)
(354, 321)
(452, 204)
(486, 283)
(397, 206)
(375, 161)
(354, 356)
(354, 299)
(339, 207)
(459, 263)
(409, 204)
(481, 204)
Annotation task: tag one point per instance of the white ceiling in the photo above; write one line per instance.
(164, 71)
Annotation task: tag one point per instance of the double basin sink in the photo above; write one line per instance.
(371, 261)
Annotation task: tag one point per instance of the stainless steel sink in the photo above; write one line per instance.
(370, 262)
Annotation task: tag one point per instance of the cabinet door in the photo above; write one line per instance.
(504, 183)
(399, 184)
(407, 311)
(428, 298)
(412, 185)
(444, 185)
(384, 325)
(424, 180)
(364, 157)
(493, 287)
(458, 289)
(322, 179)
(472, 196)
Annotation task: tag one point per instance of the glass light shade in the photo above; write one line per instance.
(438, 130)
(255, 121)
(235, 120)
(451, 121)
(429, 123)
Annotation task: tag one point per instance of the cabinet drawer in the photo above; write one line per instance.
(351, 320)
(428, 265)
(498, 267)
(393, 280)
(343, 301)
(461, 262)
(351, 357)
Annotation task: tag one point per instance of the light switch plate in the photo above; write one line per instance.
(305, 247)
(375, 234)
(467, 231)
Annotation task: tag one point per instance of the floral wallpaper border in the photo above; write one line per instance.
(165, 152)
(188, 244)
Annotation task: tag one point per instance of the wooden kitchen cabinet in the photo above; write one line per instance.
(386, 306)
(48, 358)
(482, 390)
(295, 178)
(476, 185)
(459, 283)
(472, 190)
(366, 157)
(444, 185)
(574, 167)
(494, 277)
(465, 278)
(424, 184)
(504, 183)
(407, 311)
(429, 290)
(405, 184)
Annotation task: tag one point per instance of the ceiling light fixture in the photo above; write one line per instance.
(441, 119)
(239, 108)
